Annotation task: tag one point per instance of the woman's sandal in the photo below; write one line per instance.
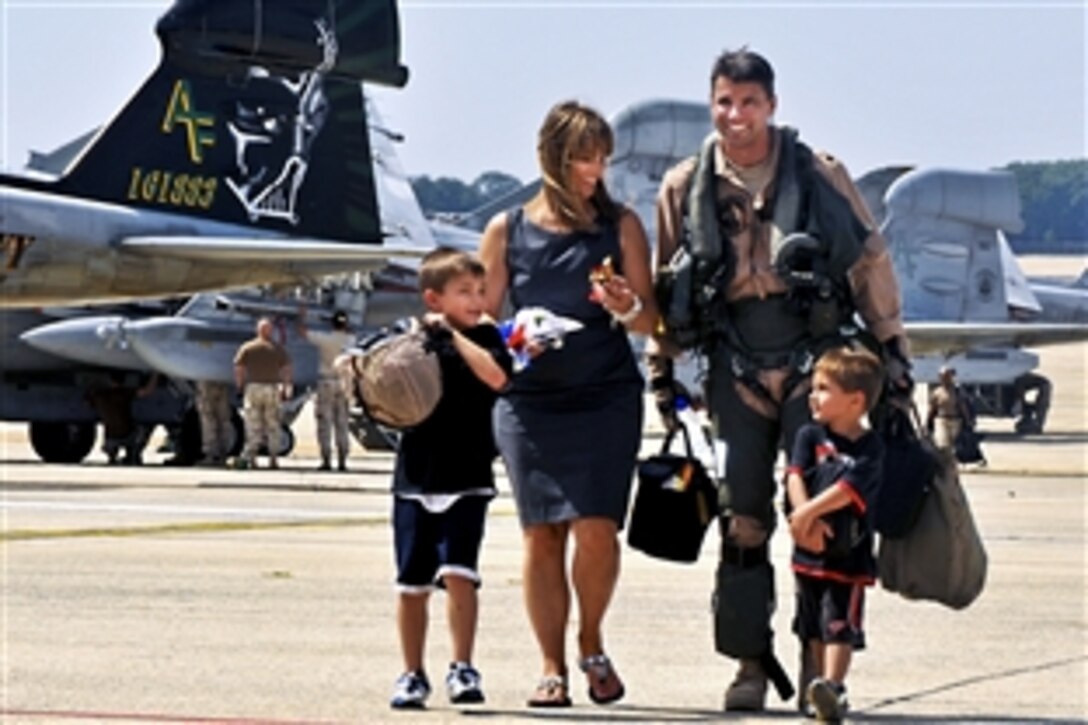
(551, 691)
(605, 685)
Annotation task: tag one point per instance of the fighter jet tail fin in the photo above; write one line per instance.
(254, 116)
(944, 229)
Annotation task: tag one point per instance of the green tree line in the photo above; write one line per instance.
(445, 195)
(1053, 194)
(1054, 201)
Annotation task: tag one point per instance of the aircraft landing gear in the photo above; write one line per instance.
(1033, 411)
(287, 442)
(62, 442)
(188, 443)
(370, 435)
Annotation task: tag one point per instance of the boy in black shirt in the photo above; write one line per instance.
(832, 483)
(443, 481)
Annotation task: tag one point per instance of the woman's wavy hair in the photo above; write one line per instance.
(572, 130)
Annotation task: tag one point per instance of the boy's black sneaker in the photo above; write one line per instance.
(411, 691)
(828, 699)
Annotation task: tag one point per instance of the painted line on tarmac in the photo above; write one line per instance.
(151, 717)
(251, 512)
(195, 527)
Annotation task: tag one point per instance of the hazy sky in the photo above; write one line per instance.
(963, 84)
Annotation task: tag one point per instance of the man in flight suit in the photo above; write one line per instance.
(772, 302)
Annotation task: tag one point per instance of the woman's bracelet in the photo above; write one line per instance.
(625, 318)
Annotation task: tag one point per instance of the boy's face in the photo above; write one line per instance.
(461, 301)
(831, 405)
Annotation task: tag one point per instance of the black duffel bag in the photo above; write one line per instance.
(908, 471)
(674, 504)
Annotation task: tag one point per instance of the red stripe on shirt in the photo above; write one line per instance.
(855, 497)
(819, 573)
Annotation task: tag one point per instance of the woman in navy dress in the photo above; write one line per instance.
(569, 426)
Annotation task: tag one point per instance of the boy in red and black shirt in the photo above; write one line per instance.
(832, 484)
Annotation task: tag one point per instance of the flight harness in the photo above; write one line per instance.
(815, 238)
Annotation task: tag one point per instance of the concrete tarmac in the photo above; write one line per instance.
(162, 595)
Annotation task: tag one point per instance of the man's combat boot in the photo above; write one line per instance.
(748, 690)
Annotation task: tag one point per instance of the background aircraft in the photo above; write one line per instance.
(54, 355)
(238, 162)
(966, 299)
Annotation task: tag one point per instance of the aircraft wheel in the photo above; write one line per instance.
(287, 441)
(188, 444)
(239, 427)
(1028, 426)
(190, 441)
(62, 442)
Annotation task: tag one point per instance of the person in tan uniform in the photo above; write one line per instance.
(213, 404)
(262, 370)
(331, 403)
(787, 253)
(946, 415)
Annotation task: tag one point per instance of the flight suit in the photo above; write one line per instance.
(753, 414)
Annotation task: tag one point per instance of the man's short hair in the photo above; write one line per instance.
(854, 370)
(744, 66)
(444, 264)
(339, 320)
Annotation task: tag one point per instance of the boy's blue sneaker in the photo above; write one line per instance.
(828, 699)
(411, 691)
(463, 684)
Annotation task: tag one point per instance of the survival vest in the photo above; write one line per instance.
(816, 238)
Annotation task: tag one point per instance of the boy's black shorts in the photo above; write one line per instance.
(830, 611)
(431, 545)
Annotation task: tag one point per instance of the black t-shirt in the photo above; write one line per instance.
(453, 449)
(825, 459)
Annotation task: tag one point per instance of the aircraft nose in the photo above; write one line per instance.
(89, 340)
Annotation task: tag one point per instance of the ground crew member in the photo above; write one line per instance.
(764, 301)
(945, 417)
(262, 370)
(113, 403)
(331, 405)
(213, 404)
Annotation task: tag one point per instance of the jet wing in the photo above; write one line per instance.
(239, 249)
(952, 337)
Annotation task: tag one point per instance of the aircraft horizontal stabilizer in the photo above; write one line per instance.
(240, 249)
(951, 337)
